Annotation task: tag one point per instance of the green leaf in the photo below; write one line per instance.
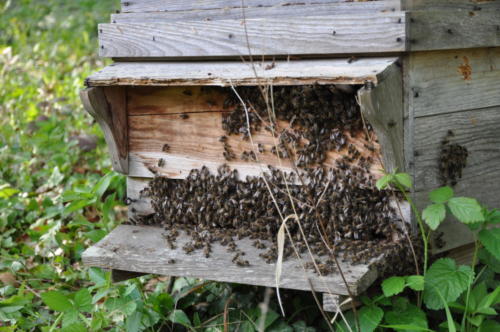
(384, 181)
(7, 191)
(441, 195)
(393, 286)
(133, 322)
(490, 239)
(76, 327)
(408, 315)
(270, 317)
(446, 279)
(433, 215)
(83, 300)
(489, 326)
(491, 299)
(179, 317)
(70, 317)
(415, 282)
(488, 259)
(301, 326)
(403, 179)
(122, 304)
(56, 301)
(103, 184)
(370, 317)
(493, 216)
(466, 210)
(97, 276)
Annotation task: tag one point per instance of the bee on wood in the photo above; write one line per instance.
(184, 116)
(165, 147)
(261, 148)
(161, 162)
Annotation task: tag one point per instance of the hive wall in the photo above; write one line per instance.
(454, 90)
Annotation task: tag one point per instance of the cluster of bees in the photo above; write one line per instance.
(339, 209)
(452, 161)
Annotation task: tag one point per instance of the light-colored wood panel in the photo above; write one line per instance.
(334, 34)
(175, 5)
(143, 249)
(139, 206)
(476, 130)
(471, 5)
(314, 9)
(194, 142)
(447, 81)
(453, 29)
(223, 73)
(175, 100)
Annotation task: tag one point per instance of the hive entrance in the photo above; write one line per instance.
(301, 150)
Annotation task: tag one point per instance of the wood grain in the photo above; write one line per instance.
(453, 29)
(194, 142)
(143, 249)
(382, 107)
(108, 107)
(189, 5)
(333, 34)
(225, 73)
(471, 5)
(476, 130)
(447, 81)
(313, 9)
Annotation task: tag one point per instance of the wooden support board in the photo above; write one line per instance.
(332, 34)
(225, 73)
(143, 249)
(194, 142)
(314, 9)
(129, 6)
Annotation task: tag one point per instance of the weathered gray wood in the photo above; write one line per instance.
(107, 106)
(453, 29)
(333, 34)
(139, 206)
(258, 12)
(478, 131)
(143, 249)
(382, 107)
(175, 5)
(441, 82)
(471, 5)
(332, 303)
(333, 71)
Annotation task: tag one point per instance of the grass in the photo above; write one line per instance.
(57, 199)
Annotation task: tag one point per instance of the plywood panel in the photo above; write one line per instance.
(334, 34)
(442, 82)
(143, 249)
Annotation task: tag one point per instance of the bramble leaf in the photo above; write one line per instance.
(441, 195)
(415, 282)
(393, 286)
(384, 181)
(56, 301)
(433, 215)
(404, 179)
(466, 210)
(490, 238)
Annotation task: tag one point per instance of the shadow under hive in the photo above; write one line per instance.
(339, 210)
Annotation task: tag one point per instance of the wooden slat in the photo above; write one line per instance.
(447, 81)
(453, 29)
(382, 107)
(471, 5)
(258, 12)
(333, 71)
(143, 249)
(188, 5)
(139, 206)
(194, 142)
(334, 34)
(478, 131)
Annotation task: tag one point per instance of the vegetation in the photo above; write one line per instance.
(58, 196)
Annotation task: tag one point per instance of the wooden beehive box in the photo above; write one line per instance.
(419, 68)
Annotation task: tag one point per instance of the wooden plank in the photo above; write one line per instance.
(441, 82)
(473, 5)
(382, 107)
(476, 130)
(174, 5)
(332, 71)
(139, 206)
(445, 29)
(194, 142)
(332, 303)
(258, 12)
(108, 107)
(333, 34)
(143, 249)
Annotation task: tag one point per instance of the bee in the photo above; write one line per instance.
(187, 92)
(152, 170)
(223, 139)
(261, 148)
(171, 261)
(184, 116)
(161, 162)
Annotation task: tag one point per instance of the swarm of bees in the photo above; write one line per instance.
(452, 161)
(340, 210)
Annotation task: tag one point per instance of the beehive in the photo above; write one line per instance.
(419, 69)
